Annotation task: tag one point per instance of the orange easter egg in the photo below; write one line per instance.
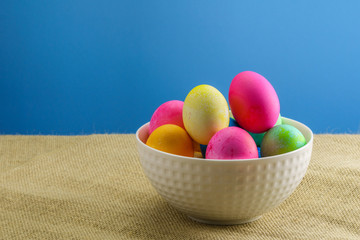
(173, 139)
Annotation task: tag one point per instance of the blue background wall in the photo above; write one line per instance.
(80, 67)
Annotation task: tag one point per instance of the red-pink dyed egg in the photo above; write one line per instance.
(232, 143)
(167, 113)
(253, 102)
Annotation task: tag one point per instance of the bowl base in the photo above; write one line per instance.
(225, 222)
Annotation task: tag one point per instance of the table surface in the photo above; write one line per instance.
(93, 187)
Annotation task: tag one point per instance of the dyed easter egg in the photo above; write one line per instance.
(196, 146)
(253, 102)
(198, 155)
(197, 150)
(173, 139)
(233, 123)
(167, 113)
(231, 143)
(231, 115)
(205, 112)
(281, 139)
(259, 136)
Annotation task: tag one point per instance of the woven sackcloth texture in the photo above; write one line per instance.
(93, 187)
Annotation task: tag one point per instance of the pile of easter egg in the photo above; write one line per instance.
(204, 126)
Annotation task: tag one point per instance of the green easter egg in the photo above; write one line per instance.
(231, 115)
(258, 137)
(281, 139)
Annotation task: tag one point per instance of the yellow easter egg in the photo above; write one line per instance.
(205, 112)
(197, 150)
(198, 155)
(173, 139)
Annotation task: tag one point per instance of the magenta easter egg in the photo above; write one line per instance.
(167, 113)
(253, 102)
(232, 143)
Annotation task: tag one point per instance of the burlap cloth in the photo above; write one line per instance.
(93, 187)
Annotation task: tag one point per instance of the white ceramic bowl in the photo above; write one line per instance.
(225, 191)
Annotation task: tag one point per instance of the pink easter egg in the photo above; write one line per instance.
(231, 143)
(167, 113)
(253, 102)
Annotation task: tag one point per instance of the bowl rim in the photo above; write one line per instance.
(283, 155)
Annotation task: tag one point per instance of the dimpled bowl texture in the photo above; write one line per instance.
(225, 192)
